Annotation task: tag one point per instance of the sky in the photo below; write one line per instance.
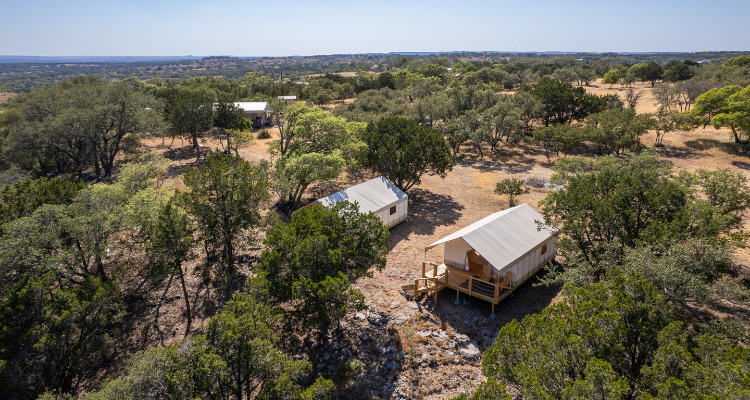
(285, 28)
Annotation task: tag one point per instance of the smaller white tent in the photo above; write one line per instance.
(509, 240)
(379, 196)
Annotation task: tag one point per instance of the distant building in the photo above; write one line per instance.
(289, 99)
(256, 111)
(703, 62)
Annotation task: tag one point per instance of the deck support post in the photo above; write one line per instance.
(457, 302)
(493, 308)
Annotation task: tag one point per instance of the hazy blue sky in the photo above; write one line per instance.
(270, 28)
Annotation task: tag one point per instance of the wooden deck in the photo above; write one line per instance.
(438, 277)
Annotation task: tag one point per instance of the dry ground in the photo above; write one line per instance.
(6, 96)
(437, 208)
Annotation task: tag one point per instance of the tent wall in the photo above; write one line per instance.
(530, 263)
(455, 252)
(401, 212)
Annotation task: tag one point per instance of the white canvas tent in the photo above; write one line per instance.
(509, 240)
(378, 196)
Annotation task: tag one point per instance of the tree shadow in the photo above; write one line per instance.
(741, 164)
(180, 153)
(678, 152)
(708, 144)
(495, 166)
(427, 211)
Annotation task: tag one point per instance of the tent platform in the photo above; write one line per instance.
(438, 277)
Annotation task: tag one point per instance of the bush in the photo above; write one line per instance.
(264, 134)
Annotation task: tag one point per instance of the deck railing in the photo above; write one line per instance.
(480, 288)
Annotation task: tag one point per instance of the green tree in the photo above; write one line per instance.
(511, 187)
(693, 270)
(24, 197)
(169, 244)
(565, 75)
(225, 196)
(612, 204)
(190, 115)
(85, 122)
(530, 109)
(403, 151)
(487, 390)
(292, 175)
(317, 146)
(713, 102)
(230, 122)
(650, 72)
(735, 115)
(614, 131)
(126, 115)
(562, 103)
(504, 121)
(312, 258)
(703, 368)
(612, 77)
(236, 358)
(53, 335)
(612, 340)
(146, 377)
(93, 220)
(455, 134)
(554, 139)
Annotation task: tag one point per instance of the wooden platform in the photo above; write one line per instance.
(438, 277)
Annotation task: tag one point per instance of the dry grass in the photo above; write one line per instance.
(6, 96)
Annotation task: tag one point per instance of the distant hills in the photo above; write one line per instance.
(126, 59)
(88, 59)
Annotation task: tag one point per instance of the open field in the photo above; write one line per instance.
(437, 208)
(6, 96)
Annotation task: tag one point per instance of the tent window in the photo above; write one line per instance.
(544, 248)
(393, 210)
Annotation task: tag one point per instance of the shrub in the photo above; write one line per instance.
(264, 134)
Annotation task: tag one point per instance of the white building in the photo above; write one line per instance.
(379, 196)
(257, 111)
(289, 99)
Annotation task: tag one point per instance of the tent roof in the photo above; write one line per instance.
(372, 196)
(253, 106)
(503, 237)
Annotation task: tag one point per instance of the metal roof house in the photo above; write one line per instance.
(379, 196)
(256, 111)
(288, 99)
(490, 258)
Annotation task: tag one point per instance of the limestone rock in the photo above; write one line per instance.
(461, 339)
(470, 351)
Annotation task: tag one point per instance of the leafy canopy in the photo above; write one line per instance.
(313, 256)
(403, 151)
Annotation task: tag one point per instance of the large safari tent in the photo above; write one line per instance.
(491, 257)
(379, 196)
